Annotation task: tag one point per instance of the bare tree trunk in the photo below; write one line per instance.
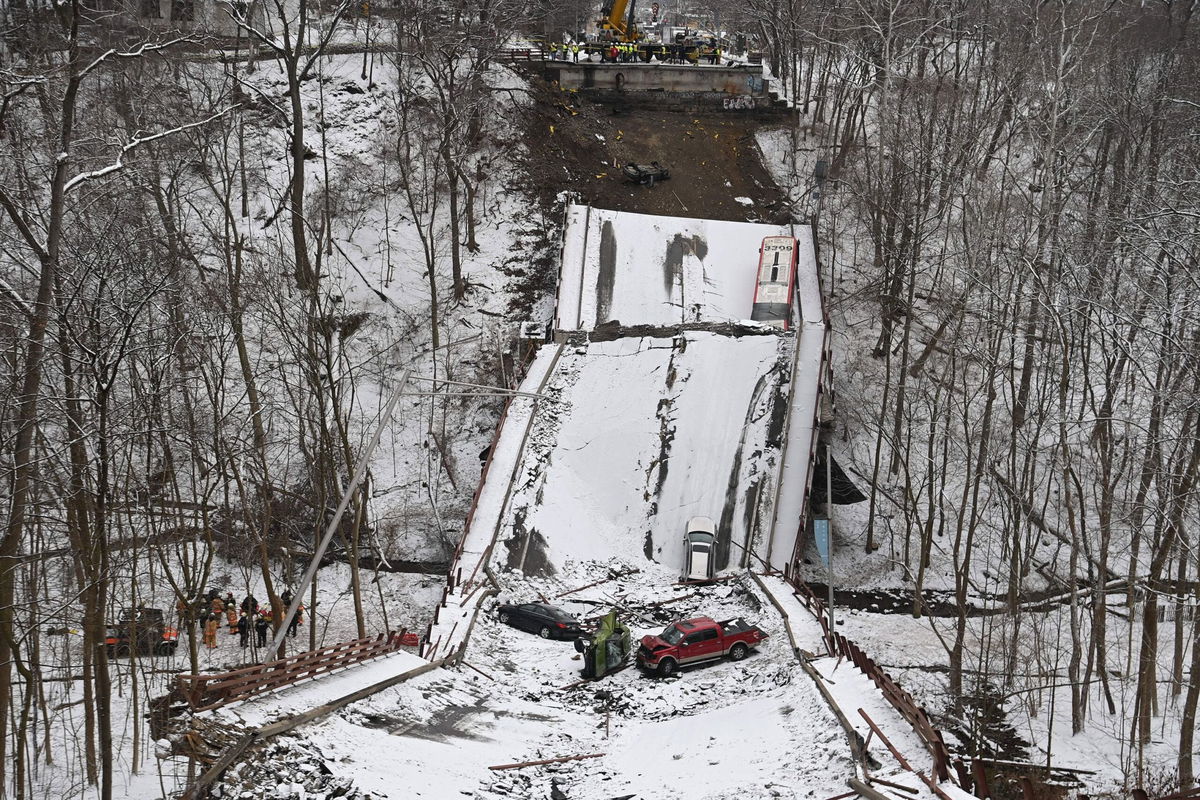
(26, 418)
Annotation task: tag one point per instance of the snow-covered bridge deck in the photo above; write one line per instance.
(635, 432)
(639, 269)
(642, 270)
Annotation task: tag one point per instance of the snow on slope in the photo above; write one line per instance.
(647, 433)
(754, 729)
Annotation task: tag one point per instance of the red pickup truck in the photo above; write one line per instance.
(694, 640)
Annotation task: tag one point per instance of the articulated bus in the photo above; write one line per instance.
(776, 281)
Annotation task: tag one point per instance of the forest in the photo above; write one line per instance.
(1012, 253)
(219, 252)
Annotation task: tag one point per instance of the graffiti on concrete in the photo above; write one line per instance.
(739, 103)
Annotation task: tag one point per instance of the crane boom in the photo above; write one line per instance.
(618, 21)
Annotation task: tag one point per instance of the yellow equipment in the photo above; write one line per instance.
(617, 25)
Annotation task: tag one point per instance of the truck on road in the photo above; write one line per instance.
(696, 640)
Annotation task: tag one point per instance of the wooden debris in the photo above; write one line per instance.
(723, 579)
(842, 796)
(885, 740)
(559, 760)
(636, 611)
(613, 671)
(901, 787)
(477, 669)
(612, 577)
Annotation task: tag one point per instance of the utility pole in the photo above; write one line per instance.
(823, 538)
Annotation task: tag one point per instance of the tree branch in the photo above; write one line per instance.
(27, 234)
(136, 142)
(137, 52)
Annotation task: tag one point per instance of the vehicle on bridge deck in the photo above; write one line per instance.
(697, 640)
(545, 620)
(776, 281)
(699, 545)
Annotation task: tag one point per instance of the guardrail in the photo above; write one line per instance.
(972, 776)
(522, 55)
(902, 701)
(205, 692)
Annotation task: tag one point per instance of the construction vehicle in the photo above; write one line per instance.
(608, 650)
(616, 24)
(141, 630)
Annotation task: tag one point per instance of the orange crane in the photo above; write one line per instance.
(616, 24)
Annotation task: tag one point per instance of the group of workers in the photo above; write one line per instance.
(631, 52)
(209, 610)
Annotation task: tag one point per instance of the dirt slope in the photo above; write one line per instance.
(580, 146)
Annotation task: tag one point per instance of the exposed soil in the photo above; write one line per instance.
(580, 146)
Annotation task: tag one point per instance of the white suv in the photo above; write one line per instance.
(699, 544)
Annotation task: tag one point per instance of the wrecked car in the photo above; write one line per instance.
(608, 650)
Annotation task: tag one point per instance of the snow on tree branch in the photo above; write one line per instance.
(141, 50)
(136, 142)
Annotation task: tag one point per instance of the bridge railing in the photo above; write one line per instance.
(523, 55)
(902, 701)
(204, 692)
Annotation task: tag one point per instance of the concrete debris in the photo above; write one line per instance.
(287, 770)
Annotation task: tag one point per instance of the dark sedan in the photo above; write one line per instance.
(544, 620)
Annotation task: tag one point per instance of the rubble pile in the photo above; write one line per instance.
(289, 769)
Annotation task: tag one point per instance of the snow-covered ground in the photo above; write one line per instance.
(632, 437)
(756, 728)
